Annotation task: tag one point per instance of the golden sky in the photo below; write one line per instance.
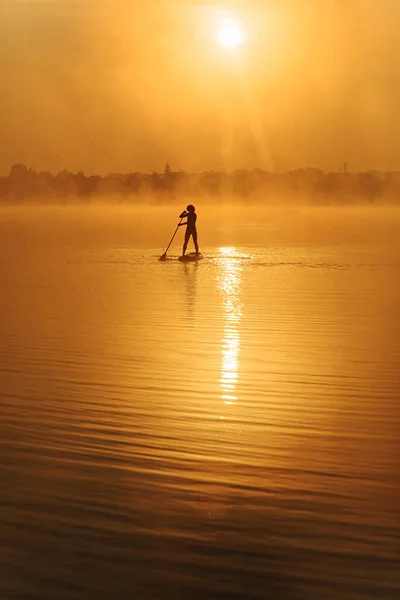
(126, 85)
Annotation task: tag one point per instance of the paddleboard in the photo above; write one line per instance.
(192, 256)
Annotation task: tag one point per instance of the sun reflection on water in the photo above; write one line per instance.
(230, 277)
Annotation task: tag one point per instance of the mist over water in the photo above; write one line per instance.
(224, 429)
(150, 224)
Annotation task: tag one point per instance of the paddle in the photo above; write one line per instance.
(164, 256)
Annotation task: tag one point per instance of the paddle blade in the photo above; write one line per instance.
(163, 257)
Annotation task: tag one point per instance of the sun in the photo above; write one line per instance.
(230, 36)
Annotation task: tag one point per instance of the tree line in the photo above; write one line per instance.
(24, 185)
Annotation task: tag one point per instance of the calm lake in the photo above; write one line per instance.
(226, 429)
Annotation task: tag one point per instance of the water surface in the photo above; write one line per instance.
(225, 429)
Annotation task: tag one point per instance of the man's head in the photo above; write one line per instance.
(190, 208)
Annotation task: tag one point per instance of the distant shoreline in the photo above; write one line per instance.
(308, 186)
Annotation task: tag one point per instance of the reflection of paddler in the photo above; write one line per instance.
(190, 272)
(190, 215)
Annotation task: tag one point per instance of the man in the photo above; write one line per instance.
(190, 214)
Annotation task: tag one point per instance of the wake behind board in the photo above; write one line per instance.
(191, 257)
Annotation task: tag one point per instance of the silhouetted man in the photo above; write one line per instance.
(190, 214)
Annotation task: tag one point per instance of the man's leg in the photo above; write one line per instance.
(196, 245)
(187, 236)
